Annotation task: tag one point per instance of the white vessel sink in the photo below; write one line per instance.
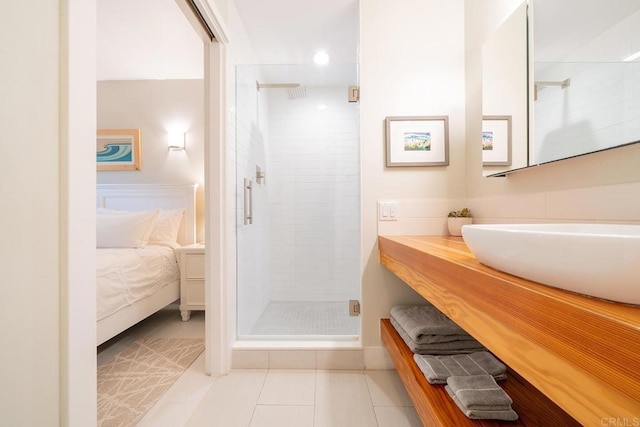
(599, 260)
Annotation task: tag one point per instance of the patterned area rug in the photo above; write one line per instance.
(131, 382)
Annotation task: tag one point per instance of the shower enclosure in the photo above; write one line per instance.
(298, 202)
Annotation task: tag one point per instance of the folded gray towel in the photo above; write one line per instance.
(479, 392)
(452, 347)
(426, 324)
(438, 368)
(476, 414)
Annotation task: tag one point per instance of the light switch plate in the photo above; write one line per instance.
(387, 210)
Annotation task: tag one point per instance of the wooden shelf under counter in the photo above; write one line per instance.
(436, 408)
(580, 352)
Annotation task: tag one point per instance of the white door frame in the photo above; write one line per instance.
(217, 341)
(77, 121)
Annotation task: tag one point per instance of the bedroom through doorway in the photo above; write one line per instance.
(151, 80)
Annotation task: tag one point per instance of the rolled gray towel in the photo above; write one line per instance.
(426, 324)
(438, 368)
(476, 414)
(479, 392)
(451, 347)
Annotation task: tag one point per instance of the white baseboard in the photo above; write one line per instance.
(377, 358)
(374, 358)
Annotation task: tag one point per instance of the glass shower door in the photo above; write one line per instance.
(298, 202)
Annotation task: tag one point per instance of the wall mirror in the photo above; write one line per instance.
(584, 79)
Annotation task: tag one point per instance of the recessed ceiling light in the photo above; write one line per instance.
(321, 58)
(322, 107)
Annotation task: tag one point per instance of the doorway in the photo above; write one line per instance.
(77, 390)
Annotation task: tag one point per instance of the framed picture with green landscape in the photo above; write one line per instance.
(496, 140)
(417, 141)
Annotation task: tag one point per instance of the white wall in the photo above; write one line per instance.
(46, 247)
(411, 63)
(592, 188)
(157, 107)
(313, 184)
(30, 250)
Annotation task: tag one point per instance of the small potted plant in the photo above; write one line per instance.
(456, 219)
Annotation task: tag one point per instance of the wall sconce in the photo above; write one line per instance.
(177, 141)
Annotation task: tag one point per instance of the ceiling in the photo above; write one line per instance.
(152, 39)
(291, 31)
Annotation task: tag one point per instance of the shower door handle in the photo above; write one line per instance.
(248, 202)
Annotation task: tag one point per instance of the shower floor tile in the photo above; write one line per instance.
(306, 318)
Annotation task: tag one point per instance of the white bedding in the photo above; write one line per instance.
(127, 275)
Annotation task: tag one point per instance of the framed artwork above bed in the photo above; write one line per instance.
(118, 150)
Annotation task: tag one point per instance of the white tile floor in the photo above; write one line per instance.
(283, 398)
(273, 397)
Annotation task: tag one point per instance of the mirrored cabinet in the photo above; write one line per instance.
(568, 74)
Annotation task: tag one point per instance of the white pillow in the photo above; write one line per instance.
(124, 230)
(167, 226)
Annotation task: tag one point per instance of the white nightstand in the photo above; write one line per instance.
(191, 262)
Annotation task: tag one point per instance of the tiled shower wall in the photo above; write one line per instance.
(313, 183)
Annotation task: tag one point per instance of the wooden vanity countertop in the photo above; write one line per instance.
(581, 352)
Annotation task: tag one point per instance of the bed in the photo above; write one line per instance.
(134, 280)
